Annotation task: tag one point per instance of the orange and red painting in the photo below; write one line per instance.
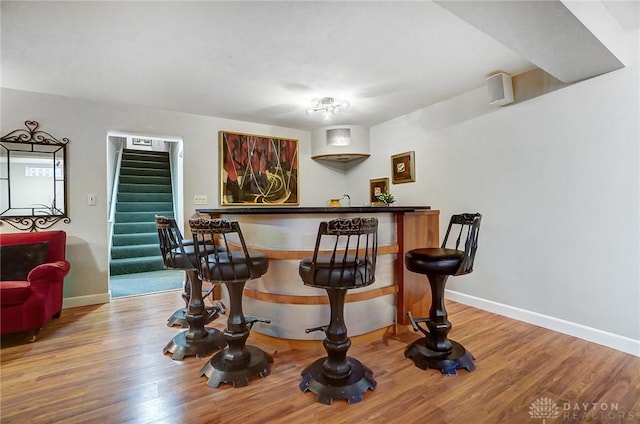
(258, 170)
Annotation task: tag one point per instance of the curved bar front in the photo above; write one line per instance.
(287, 235)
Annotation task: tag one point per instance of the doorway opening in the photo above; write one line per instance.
(145, 180)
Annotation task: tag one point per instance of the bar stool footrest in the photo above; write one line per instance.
(251, 320)
(179, 317)
(447, 362)
(350, 388)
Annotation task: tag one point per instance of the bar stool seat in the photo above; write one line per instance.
(434, 260)
(325, 275)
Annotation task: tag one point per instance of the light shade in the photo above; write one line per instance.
(339, 137)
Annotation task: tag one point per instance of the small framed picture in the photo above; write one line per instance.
(377, 186)
(403, 168)
(141, 142)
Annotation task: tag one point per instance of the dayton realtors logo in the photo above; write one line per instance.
(544, 408)
(598, 412)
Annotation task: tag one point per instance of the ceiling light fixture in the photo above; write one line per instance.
(327, 106)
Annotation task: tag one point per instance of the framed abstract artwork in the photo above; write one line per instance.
(377, 186)
(403, 168)
(257, 170)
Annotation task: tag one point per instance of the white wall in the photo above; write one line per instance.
(557, 181)
(86, 125)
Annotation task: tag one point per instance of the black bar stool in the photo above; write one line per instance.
(170, 237)
(197, 340)
(351, 263)
(436, 350)
(237, 362)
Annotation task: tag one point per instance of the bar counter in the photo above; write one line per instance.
(286, 210)
(288, 234)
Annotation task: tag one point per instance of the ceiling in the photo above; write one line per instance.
(264, 61)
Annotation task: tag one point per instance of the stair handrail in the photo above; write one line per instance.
(174, 193)
(114, 197)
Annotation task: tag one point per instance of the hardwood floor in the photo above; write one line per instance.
(104, 364)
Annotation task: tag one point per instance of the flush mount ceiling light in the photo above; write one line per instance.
(327, 106)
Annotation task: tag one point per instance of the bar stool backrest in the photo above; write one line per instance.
(231, 261)
(172, 245)
(467, 225)
(345, 254)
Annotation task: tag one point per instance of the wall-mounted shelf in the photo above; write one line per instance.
(341, 157)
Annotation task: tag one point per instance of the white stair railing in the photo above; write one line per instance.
(114, 197)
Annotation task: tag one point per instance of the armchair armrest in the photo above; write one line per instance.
(50, 271)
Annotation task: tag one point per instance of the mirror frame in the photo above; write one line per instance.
(34, 137)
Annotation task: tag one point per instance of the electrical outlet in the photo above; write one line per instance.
(200, 199)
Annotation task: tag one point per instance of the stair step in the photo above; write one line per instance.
(135, 251)
(129, 239)
(144, 164)
(145, 155)
(139, 217)
(143, 188)
(145, 171)
(135, 265)
(135, 227)
(145, 179)
(144, 206)
(145, 197)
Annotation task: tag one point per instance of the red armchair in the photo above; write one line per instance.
(33, 267)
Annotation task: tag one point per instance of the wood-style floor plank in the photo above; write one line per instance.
(104, 363)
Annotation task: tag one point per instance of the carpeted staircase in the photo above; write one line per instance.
(144, 190)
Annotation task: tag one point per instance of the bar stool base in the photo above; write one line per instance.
(178, 318)
(219, 371)
(350, 388)
(447, 363)
(180, 346)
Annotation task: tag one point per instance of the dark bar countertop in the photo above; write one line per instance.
(292, 210)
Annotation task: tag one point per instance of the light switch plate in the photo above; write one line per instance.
(200, 199)
(92, 199)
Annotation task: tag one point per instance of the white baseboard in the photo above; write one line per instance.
(615, 341)
(94, 299)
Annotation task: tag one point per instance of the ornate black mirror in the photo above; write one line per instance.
(33, 178)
